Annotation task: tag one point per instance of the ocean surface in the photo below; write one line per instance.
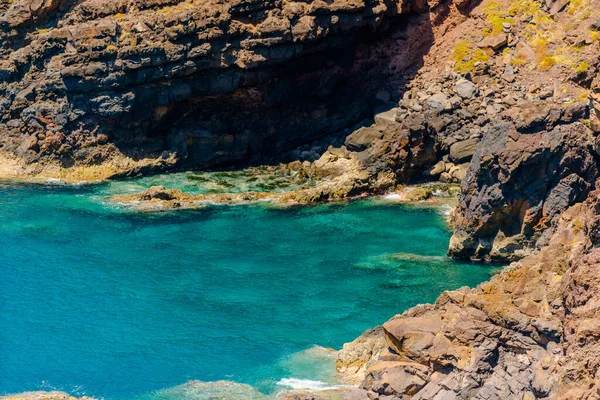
(101, 301)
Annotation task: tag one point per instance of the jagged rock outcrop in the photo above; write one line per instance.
(202, 81)
(528, 333)
(516, 187)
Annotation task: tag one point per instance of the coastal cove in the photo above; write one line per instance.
(102, 301)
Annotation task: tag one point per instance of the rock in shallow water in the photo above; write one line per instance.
(197, 390)
(43, 396)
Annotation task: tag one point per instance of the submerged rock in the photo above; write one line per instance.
(331, 394)
(197, 390)
(161, 193)
(43, 396)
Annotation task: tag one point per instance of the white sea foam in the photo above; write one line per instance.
(392, 197)
(295, 383)
(60, 182)
(446, 209)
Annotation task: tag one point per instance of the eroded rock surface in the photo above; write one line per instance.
(528, 333)
(516, 187)
(205, 82)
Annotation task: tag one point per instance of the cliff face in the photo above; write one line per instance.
(203, 82)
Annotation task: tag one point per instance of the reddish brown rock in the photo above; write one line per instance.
(528, 333)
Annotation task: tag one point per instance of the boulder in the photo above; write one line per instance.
(525, 53)
(556, 6)
(396, 379)
(459, 172)
(509, 74)
(386, 118)
(466, 89)
(412, 337)
(417, 193)
(494, 42)
(362, 138)
(437, 169)
(440, 102)
(464, 150)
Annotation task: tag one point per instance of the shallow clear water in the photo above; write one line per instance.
(96, 300)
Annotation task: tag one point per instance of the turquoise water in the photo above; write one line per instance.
(100, 301)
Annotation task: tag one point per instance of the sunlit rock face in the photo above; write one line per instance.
(215, 82)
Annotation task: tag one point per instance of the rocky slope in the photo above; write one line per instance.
(519, 134)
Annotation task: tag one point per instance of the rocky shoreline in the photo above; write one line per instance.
(528, 333)
(503, 99)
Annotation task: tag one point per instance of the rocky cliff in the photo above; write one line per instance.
(128, 85)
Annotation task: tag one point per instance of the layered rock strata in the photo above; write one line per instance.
(148, 84)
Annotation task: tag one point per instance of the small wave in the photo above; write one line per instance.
(60, 182)
(295, 383)
(416, 257)
(446, 209)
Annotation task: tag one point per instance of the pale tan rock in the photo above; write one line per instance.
(525, 53)
(494, 42)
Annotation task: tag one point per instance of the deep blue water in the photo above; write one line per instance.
(101, 301)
